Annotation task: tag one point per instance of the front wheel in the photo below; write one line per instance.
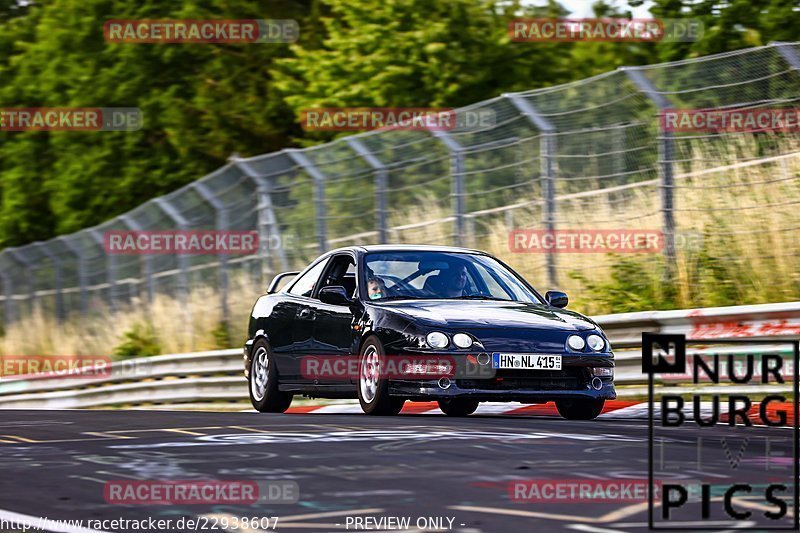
(373, 390)
(263, 381)
(580, 409)
(458, 407)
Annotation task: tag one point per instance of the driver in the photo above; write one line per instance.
(454, 281)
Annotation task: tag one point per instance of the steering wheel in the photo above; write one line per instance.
(399, 286)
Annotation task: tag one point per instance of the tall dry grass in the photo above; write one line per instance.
(175, 327)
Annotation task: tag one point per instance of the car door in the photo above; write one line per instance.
(334, 336)
(299, 302)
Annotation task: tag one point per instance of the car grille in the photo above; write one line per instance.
(509, 379)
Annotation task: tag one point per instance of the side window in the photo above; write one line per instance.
(342, 271)
(305, 285)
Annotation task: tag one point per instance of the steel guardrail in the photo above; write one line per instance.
(216, 376)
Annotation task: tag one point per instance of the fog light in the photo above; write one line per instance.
(576, 342)
(462, 340)
(605, 371)
(437, 339)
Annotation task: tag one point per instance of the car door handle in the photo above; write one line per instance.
(304, 313)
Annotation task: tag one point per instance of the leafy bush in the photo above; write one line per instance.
(140, 340)
(222, 337)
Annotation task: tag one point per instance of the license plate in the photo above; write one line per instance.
(528, 361)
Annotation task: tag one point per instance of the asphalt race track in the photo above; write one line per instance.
(56, 464)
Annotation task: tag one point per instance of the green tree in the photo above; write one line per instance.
(416, 53)
(730, 25)
(201, 102)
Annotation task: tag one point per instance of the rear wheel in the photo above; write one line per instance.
(580, 409)
(458, 407)
(373, 390)
(263, 381)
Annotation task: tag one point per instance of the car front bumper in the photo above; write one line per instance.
(576, 380)
(246, 357)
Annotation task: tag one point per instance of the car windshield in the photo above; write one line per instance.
(441, 275)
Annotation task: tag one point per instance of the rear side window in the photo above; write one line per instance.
(305, 284)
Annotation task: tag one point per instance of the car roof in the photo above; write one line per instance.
(407, 248)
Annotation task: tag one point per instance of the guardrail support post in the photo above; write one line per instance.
(666, 157)
(548, 152)
(457, 185)
(319, 193)
(381, 183)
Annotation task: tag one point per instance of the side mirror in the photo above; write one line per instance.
(557, 298)
(334, 295)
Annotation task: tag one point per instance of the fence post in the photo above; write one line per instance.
(183, 277)
(666, 156)
(221, 215)
(548, 153)
(77, 251)
(9, 298)
(469, 228)
(146, 259)
(28, 269)
(267, 220)
(457, 186)
(56, 278)
(111, 268)
(319, 193)
(381, 184)
(788, 53)
(618, 147)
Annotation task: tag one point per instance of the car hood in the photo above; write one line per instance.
(470, 314)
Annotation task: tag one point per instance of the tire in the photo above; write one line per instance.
(580, 409)
(458, 407)
(263, 381)
(373, 391)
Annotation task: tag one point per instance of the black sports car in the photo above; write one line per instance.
(392, 323)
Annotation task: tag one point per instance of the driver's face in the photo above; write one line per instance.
(458, 279)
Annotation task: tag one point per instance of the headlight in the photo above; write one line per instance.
(462, 340)
(437, 339)
(576, 342)
(596, 342)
